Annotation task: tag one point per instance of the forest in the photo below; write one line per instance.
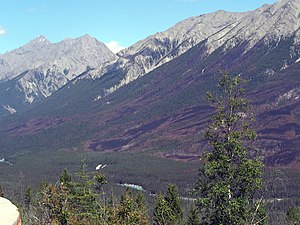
(232, 187)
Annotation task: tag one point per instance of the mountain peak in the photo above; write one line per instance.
(85, 39)
(86, 36)
(40, 39)
(38, 42)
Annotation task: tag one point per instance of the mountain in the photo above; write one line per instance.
(39, 68)
(270, 23)
(153, 96)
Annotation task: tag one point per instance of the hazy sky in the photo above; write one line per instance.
(118, 22)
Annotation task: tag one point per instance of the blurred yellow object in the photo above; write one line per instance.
(9, 214)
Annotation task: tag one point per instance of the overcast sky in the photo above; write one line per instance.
(119, 23)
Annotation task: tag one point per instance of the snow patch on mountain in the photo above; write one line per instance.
(10, 109)
(291, 95)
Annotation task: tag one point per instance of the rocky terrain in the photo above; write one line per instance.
(40, 68)
(270, 23)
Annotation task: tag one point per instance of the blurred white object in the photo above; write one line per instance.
(9, 214)
(100, 166)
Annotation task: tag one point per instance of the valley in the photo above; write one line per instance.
(144, 112)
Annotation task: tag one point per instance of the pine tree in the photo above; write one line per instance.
(174, 203)
(72, 202)
(132, 210)
(167, 209)
(126, 207)
(99, 180)
(162, 214)
(55, 205)
(141, 207)
(28, 197)
(82, 199)
(293, 216)
(65, 178)
(232, 171)
(193, 216)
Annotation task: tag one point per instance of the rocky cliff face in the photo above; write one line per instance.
(162, 47)
(221, 29)
(73, 55)
(40, 68)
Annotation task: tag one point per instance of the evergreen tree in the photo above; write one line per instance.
(162, 214)
(77, 202)
(65, 178)
(231, 174)
(132, 210)
(126, 207)
(72, 202)
(167, 209)
(55, 204)
(293, 216)
(28, 197)
(99, 180)
(174, 203)
(82, 199)
(141, 206)
(193, 216)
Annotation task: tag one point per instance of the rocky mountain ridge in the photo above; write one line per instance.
(269, 23)
(51, 66)
(40, 51)
(38, 69)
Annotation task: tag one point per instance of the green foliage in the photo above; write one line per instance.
(174, 202)
(28, 197)
(100, 180)
(82, 197)
(65, 178)
(193, 216)
(67, 201)
(168, 209)
(131, 210)
(162, 214)
(53, 198)
(78, 201)
(293, 216)
(231, 174)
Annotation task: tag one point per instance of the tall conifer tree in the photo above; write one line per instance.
(232, 171)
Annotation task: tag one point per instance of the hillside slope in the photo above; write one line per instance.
(164, 111)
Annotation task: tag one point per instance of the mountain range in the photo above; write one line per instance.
(38, 69)
(76, 94)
